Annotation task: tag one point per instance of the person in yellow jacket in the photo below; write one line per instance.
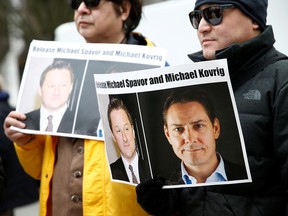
(74, 174)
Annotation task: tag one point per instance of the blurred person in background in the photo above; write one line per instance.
(21, 188)
(3, 180)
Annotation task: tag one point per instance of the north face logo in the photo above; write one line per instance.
(252, 95)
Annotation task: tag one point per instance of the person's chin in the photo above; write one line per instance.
(209, 54)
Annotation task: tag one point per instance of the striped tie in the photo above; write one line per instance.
(134, 179)
(50, 125)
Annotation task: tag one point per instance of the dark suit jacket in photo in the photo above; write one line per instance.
(118, 170)
(233, 172)
(32, 121)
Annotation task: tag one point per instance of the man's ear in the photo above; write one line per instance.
(125, 10)
(166, 132)
(39, 92)
(133, 132)
(113, 137)
(71, 88)
(216, 125)
(255, 25)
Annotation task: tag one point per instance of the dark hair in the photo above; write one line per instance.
(117, 104)
(180, 96)
(135, 14)
(57, 64)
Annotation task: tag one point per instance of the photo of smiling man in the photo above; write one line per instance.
(55, 87)
(192, 129)
(129, 166)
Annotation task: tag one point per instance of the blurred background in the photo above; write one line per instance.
(165, 22)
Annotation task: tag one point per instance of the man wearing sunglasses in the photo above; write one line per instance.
(109, 21)
(236, 30)
(75, 178)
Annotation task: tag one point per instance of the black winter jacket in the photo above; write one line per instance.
(21, 189)
(262, 103)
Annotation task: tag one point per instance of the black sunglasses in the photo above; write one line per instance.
(89, 3)
(212, 15)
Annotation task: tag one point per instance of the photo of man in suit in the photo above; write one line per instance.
(56, 84)
(129, 166)
(192, 129)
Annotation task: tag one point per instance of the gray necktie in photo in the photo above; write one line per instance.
(134, 179)
(50, 125)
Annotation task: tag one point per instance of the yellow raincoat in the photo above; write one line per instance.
(101, 197)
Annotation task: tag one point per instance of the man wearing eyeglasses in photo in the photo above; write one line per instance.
(74, 173)
(236, 30)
